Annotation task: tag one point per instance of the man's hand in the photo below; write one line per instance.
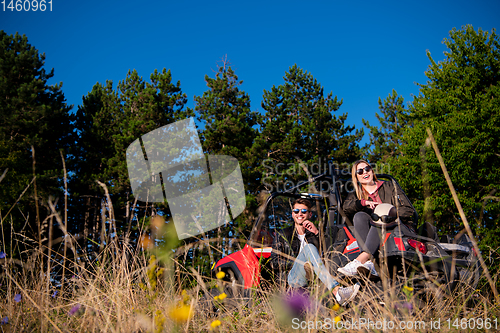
(310, 226)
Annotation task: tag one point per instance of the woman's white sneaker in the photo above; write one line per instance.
(367, 269)
(351, 269)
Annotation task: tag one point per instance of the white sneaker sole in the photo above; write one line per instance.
(356, 289)
(363, 271)
(345, 272)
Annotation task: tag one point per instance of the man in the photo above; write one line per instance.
(302, 242)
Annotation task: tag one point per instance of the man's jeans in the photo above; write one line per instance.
(297, 275)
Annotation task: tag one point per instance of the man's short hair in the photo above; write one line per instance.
(302, 201)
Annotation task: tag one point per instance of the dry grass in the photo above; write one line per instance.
(132, 292)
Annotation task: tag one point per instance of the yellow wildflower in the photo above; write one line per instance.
(408, 288)
(336, 307)
(220, 275)
(220, 297)
(336, 319)
(215, 323)
(181, 313)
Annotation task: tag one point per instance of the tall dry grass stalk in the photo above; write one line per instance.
(462, 214)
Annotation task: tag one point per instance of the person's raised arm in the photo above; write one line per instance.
(352, 204)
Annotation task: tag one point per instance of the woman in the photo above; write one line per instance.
(369, 193)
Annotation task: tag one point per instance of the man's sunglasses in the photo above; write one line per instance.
(366, 168)
(303, 210)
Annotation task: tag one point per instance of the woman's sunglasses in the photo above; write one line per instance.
(303, 210)
(366, 168)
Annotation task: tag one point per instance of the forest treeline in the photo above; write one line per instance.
(49, 148)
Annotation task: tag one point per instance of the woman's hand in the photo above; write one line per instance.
(310, 226)
(371, 204)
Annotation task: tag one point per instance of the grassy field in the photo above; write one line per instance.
(154, 289)
(138, 291)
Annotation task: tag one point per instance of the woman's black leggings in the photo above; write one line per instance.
(367, 236)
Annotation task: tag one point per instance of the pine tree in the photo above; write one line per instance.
(229, 122)
(386, 139)
(108, 121)
(300, 127)
(229, 129)
(34, 121)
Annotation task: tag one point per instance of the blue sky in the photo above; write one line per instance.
(359, 50)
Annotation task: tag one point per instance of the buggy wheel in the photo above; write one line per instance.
(206, 303)
(432, 286)
(211, 303)
(468, 280)
(235, 293)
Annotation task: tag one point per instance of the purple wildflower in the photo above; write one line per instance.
(298, 301)
(17, 298)
(4, 321)
(54, 294)
(2, 255)
(74, 309)
(404, 306)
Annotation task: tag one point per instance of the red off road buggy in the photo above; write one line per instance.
(422, 259)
